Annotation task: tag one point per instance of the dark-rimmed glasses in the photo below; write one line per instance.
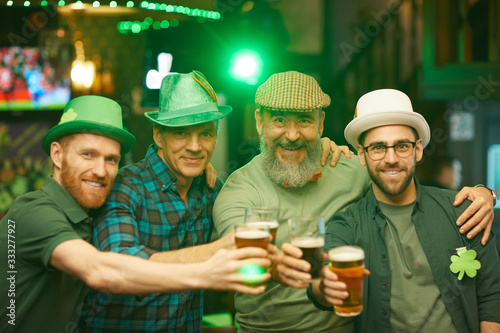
(377, 151)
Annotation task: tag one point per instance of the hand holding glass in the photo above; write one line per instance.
(308, 234)
(347, 262)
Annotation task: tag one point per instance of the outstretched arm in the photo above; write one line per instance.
(479, 214)
(124, 274)
(195, 253)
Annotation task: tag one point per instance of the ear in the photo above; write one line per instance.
(361, 155)
(419, 149)
(321, 120)
(157, 136)
(56, 154)
(258, 121)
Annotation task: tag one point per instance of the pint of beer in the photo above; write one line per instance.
(348, 263)
(251, 236)
(312, 252)
(267, 217)
(272, 226)
(308, 234)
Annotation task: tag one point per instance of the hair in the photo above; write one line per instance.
(65, 140)
(362, 136)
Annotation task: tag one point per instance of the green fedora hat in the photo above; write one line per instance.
(94, 115)
(185, 100)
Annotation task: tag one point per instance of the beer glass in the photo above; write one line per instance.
(308, 234)
(251, 235)
(265, 217)
(348, 263)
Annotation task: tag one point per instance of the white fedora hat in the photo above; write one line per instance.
(385, 107)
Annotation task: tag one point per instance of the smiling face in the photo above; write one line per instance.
(290, 132)
(392, 176)
(290, 144)
(186, 150)
(86, 165)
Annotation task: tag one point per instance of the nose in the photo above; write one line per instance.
(292, 132)
(193, 143)
(99, 168)
(390, 156)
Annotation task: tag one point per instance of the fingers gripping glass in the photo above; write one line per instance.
(377, 151)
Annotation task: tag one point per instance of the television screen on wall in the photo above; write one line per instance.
(34, 78)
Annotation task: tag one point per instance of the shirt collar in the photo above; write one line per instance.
(64, 200)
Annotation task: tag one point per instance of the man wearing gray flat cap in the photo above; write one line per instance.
(287, 176)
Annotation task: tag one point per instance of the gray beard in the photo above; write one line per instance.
(294, 175)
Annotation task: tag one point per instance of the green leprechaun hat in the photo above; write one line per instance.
(91, 114)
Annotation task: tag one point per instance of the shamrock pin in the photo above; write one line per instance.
(465, 263)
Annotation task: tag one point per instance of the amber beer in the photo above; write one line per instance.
(250, 236)
(348, 263)
(272, 226)
(312, 252)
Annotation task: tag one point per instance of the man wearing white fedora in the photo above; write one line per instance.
(46, 260)
(287, 176)
(425, 275)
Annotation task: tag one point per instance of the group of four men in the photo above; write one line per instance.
(162, 209)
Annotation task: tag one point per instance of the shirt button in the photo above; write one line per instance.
(383, 256)
(163, 186)
(86, 221)
(378, 228)
(385, 313)
(384, 285)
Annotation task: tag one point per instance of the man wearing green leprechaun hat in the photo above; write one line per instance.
(45, 256)
(425, 275)
(286, 175)
(161, 209)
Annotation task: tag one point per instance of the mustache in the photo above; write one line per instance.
(285, 143)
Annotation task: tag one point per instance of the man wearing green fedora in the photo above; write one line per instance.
(161, 209)
(45, 256)
(286, 175)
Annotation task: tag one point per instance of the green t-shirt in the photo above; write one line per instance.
(42, 299)
(416, 303)
(282, 309)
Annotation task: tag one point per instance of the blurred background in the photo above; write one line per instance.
(444, 54)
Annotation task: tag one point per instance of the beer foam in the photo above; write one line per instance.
(259, 224)
(346, 253)
(251, 234)
(308, 242)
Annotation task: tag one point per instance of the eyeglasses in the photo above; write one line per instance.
(377, 152)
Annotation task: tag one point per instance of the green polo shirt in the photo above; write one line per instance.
(42, 299)
(468, 301)
(281, 309)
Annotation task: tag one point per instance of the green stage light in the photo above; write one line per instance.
(246, 66)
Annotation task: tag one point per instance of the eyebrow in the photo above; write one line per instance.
(385, 142)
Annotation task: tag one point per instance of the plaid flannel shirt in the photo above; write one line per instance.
(143, 215)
